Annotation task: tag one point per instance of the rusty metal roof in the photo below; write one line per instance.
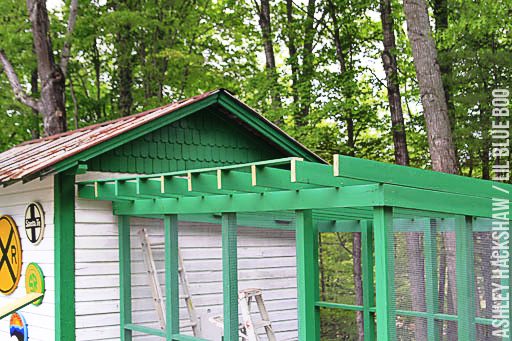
(37, 157)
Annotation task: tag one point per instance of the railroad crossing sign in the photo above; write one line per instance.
(10, 255)
(34, 222)
(34, 281)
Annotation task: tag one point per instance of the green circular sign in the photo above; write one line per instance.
(34, 281)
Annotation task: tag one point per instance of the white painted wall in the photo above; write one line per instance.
(266, 261)
(13, 201)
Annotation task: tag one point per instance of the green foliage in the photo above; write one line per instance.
(177, 49)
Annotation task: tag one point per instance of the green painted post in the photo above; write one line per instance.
(125, 283)
(367, 269)
(431, 278)
(384, 275)
(172, 292)
(64, 253)
(230, 276)
(307, 276)
(466, 298)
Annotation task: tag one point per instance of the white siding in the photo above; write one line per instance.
(13, 201)
(266, 261)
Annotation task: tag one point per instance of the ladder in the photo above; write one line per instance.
(250, 327)
(156, 289)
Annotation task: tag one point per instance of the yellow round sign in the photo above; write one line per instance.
(10, 255)
(34, 281)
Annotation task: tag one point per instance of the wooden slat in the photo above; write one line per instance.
(19, 303)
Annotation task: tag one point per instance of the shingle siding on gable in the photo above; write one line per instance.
(204, 139)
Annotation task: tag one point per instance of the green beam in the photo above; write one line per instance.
(367, 266)
(431, 277)
(317, 198)
(355, 168)
(125, 283)
(64, 254)
(428, 200)
(144, 330)
(466, 308)
(172, 291)
(384, 266)
(230, 276)
(307, 276)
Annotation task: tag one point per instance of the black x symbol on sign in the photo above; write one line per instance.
(5, 254)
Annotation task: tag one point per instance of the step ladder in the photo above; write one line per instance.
(248, 329)
(156, 290)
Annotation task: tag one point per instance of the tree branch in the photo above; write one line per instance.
(15, 84)
(66, 49)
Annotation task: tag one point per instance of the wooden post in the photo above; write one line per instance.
(64, 253)
(230, 276)
(431, 277)
(125, 283)
(367, 269)
(384, 275)
(172, 313)
(307, 276)
(466, 299)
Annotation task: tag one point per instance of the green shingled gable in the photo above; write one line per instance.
(203, 139)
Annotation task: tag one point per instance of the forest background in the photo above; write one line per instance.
(408, 81)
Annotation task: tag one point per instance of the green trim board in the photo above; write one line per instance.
(384, 275)
(386, 173)
(230, 276)
(64, 253)
(270, 187)
(172, 291)
(125, 283)
(307, 276)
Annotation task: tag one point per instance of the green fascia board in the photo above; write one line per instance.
(237, 108)
(314, 198)
(368, 170)
(429, 200)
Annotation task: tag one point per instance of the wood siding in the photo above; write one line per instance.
(266, 260)
(13, 201)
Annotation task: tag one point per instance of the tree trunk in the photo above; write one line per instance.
(268, 47)
(34, 131)
(413, 239)
(307, 65)
(292, 50)
(52, 78)
(433, 99)
(125, 70)
(51, 103)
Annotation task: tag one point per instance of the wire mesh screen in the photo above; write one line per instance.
(339, 326)
(340, 265)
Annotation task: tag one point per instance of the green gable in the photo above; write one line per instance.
(207, 138)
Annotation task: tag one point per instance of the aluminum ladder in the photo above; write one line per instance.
(156, 290)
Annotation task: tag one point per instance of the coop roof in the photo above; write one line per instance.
(60, 152)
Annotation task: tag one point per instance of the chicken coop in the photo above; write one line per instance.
(201, 220)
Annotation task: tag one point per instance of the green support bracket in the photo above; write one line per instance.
(466, 299)
(368, 288)
(384, 275)
(172, 292)
(431, 277)
(230, 276)
(125, 283)
(307, 276)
